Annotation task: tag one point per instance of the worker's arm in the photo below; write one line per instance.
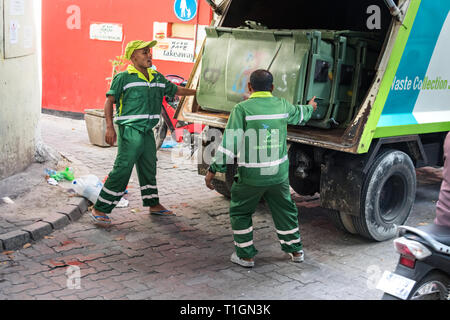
(110, 136)
(300, 115)
(172, 90)
(208, 180)
(112, 96)
(182, 91)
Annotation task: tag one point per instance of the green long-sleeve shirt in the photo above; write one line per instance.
(256, 134)
(138, 99)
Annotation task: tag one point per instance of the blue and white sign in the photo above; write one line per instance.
(185, 10)
(420, 92)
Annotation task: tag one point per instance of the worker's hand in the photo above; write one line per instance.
(110, 136)
(208, 180)
(313, 103)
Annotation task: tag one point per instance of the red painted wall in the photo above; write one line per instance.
(75, 67)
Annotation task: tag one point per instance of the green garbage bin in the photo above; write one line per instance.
(351, 61)
(358, 69)
(231, 55)
(327, 64)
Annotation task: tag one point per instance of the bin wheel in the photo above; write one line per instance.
(387, 196)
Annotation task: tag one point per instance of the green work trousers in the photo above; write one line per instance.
(245, 198)
(134, 147)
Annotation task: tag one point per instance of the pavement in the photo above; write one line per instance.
(186, 257)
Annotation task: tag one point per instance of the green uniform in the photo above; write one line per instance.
(138, 105)
(256, 135)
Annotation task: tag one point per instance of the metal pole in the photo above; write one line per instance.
(395, 11)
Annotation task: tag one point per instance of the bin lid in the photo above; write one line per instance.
(231, 55)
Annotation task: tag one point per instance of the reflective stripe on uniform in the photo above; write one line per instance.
(151, 196)
(148, 187)
(144, 84)
(243, 245)
(226, 151)
(290, 242)
(107, 202)
(243, 231)
(288, 232)
(116, 194)
(268, 117)
(140, 116)
(264, 164)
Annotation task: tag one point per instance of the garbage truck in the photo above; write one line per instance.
(380, 72)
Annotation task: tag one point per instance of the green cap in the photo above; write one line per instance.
(136, 45)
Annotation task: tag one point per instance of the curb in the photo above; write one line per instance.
(17, 239)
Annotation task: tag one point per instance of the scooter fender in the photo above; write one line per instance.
(419, 272)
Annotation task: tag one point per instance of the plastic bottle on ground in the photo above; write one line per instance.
(88, 186)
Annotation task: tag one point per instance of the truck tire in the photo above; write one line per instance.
(347, 221)
(387, 196)
(335, 217)
(342, 221)
(160, 132)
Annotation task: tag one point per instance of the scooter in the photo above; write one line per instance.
(423, 271)
(180, 130)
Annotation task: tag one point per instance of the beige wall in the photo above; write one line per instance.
(20, 104)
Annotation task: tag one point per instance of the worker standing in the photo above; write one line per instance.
(138, 94)
(256, 134)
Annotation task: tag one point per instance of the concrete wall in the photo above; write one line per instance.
(20, 102)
